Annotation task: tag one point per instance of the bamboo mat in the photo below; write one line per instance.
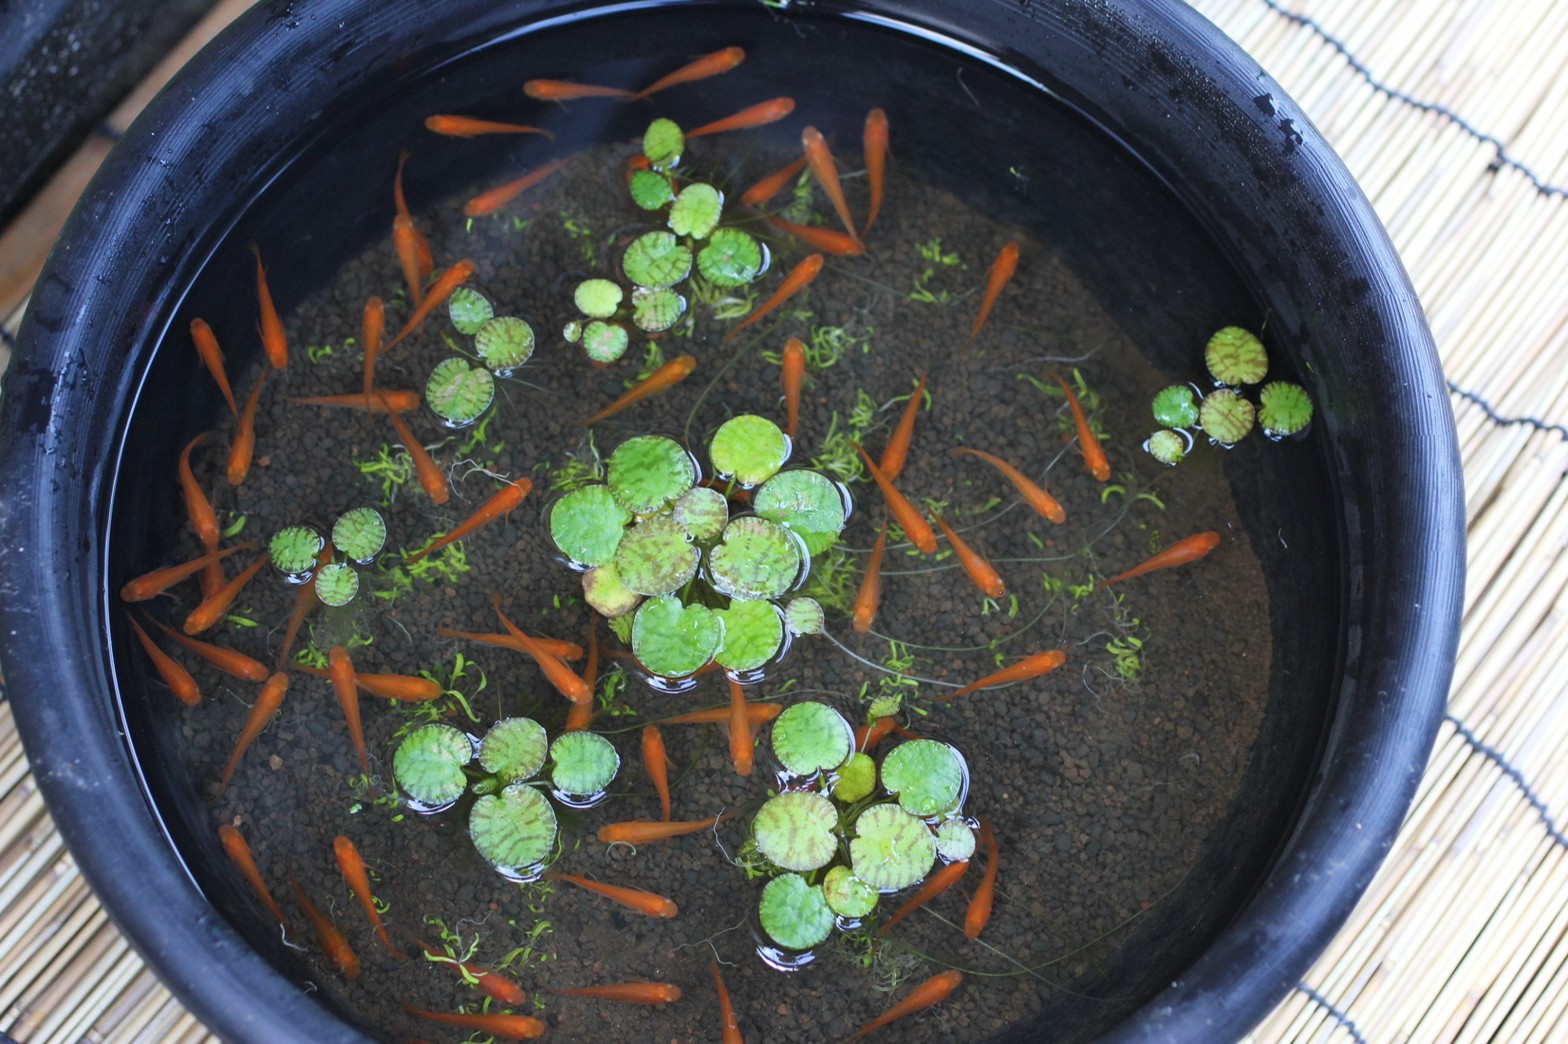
(1451, 113)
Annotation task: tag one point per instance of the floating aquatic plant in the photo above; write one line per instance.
(857, 778)
(1283, 408)
(651, 190)
(926, 775)
(1236, 357)
(703, 513)
(656, 260)
(1167, 446)
(513, 830)
(647, 472)
(732, 257)
(609, 596)
(656, 309)
(598, 298)
(360, 534)
(605, 342)
(469, 310)
(1226, 416)
(656, 557)
(793, 913)
(459, 393)
(755, 559)
(293, 550)
(429, 765)
(846, 894)
(696, 210)
(796, 830)
(663, 143)
(582, 766)
(808, 504)
(674, 640)
(804, 616)
(892, 849)
(955, 839)
(587, 524)
(749, 449)
(336, 583)
(753, 635)
(503, 344)
(811, 737)
(1176, 406)
(514, 749)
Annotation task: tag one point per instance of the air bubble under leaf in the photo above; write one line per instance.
(294, 550)
(758, 559)
(749, 448)
(955, 840)
(857, 778)
(515, 829)
(891, 849)
(469, 310)
(927, 775)
(504, 343)
(793, 913)
(598, 297)
(336, 584)
(703, 513)
(656, 310)
(587, 524)
(514, 749)
(655, 557)
(603, 589)
(731, 258)
(650, 189)
(804, 616)
(582, 763)
(808, 503)
(459, 393)
(753, 635)
(428, 765)
(649, 471)
(796, 830)
(696, 210)
(656, 259)
(811, 737)
(673, 640)
(605, 342)
(663, 143)
(360, 534)
(846, 894)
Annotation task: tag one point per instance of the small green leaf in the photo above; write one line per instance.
(598, 297)
(749, 449)
(795, 830)
(294, 550)
(703, 513)
(336, 583)
(1176, 406)
(459, 393)
(603, 589)
(1226, 417)
(804, 616)
(846, 894)
(955, 840)
(587, 524)
(582, 764)
(793, 913)
(649, 471)
(504, 343)
(605, 342)
(1166, 446)
(573, 332)
(731, 258)
(514, 749)
(1235, 357)
(429, 764)
(884, 705)
(1285, 408)
(656, 259)
(656, 310)
(753, 635)
(655, 557)
(891, 849)
(857, 778)
(468, 309)
(696, 210)
(808, 503)
(514, 830)
(758, 559)
(360, 534)
(672, 640)
(811, 737)
(650, 189)
(663, 143)
(927, 775)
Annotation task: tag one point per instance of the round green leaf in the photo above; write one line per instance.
(468, 309)
(1226, 417)
(758, 559)
(672, 640)
(1166, 446)
(793, 913)
(891, 849)
(656, 310)
(927, 775)
(795, 830)
(587, 524)
(656, 259)
(804, 616)
(955, 840)
(598, 297)
(582, 764)
(504, 343)
(515, 829)
(573, 331)
(360, 534)
(459, 393)
(514, 749)
(650, 189)
(731, 258)
(749, 449)
(703, 513)
(655, 557)
(1284, 408)
(649, 471)
(884, 705)
(429, 764)
(696, 210)
(810, 504)
(753, 635)
(662, 143)
(1176, 406)
(811, 737)
(857, 778)
(1235, 357)
(603, 589)
(294, 550)
(846, 894)
(337, 583)
(605, 342)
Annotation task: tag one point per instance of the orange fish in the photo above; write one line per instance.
(1029, 667)
(666, 376)
(373, 325)
(823, 240)
(559, 675)
(870, 595)
(875, 138)
(234, 664)
(203, 519)
(756, 714)
(643, 831)
(332, 942)
(553, 646)
(304, 602)
(759, 115)
(1093, 454)
(742, 749)
(726, 1009)
(212, 358)
(502, 503)
(405, 241)
(405, 688)
(798, 279)
(933, 991)
(580, 715)
(490, 983)
(431, 478)
(150, 585)
(243, 448)
(341, 671)
(869, 735)
(566, 90)
(935, 885)
(1180, 553)
(239, 854)
(772, 184)
(632, 898)
(440, 290)
(469, 127)
(382, 400)
(425, 262)
(792, 368)
(507, 1027)
(272, 338)
(897, 450)
(820, 160)
(494, 199)
(657, 764)
(914, 525)
(979, 911)
(627, 992)
(352, 866)
(1002, 270)
(212, 608)
(176, 677)
(1043, 503)
(977, 568)
(262, 711)
(704, 67)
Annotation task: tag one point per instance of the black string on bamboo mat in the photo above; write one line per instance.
(1334, 1013)
(1497, 758)
(1496, 418)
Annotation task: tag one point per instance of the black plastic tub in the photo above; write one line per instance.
(1365, 607)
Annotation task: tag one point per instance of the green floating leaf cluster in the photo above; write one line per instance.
(698, 585)
(358, 536)
(512, 821)
(1235, 358)
(459, 393)
(843, 832)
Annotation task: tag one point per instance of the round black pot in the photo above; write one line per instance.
(1365, 614)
